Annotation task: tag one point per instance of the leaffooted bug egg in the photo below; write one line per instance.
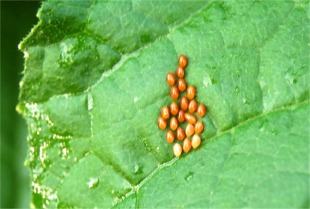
(174, 123)
(196, 141)
(174, 108)
(190, 92)
(187, 145)
(192, 107)
(177, 149)
(182, 60)
(180, 134)
(184, 103)
(181, 116)
(165, 113)
(162, 123)
(170, 136)
(199, 127)
(180, 72)
(181, 85)
(170, 78)
(174, 92)
(189, 117)
(190, 130)
(201, 110)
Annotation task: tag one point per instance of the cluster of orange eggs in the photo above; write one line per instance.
(179, 113)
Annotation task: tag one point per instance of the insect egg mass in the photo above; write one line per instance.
(183, 111)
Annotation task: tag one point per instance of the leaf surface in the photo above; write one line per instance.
(94, 83)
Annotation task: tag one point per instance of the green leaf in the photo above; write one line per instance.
(94, 83)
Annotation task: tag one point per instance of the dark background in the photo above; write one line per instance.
(17, 19)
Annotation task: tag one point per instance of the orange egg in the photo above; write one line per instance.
(177, 150)
(180, 72)
(170, 78)
(187, 145)
(181, 85)
(170, 136)
(201, 110)
(182, 60)
(174, 123)
(190, 130)
(191, 92)
(181, 116)
(184, 103)
(174, 92)
(180, 134)
(162, 123)
(192, 107)
(199, 127)
(165, 112)
(196, 141)
(174, 108)
(189, 117)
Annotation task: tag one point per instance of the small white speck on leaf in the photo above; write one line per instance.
(207, 81)
(93, 182)
(135, 99)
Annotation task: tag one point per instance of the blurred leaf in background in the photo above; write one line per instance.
(17, 18)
